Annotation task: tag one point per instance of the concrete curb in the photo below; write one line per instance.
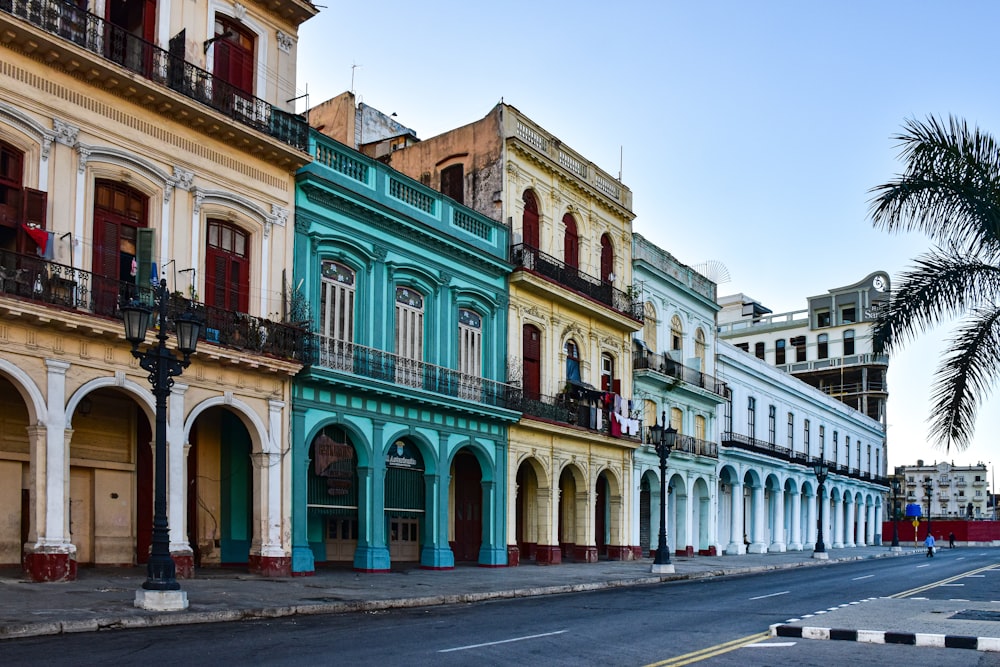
(991, 644)
(141, 619)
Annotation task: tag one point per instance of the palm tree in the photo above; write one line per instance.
(951, 192)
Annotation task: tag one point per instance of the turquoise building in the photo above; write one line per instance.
(400, 417)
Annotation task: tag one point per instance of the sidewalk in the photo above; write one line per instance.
(103, 598)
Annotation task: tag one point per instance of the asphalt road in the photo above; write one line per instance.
(719, 621)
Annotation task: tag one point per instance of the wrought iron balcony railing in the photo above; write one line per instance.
(525, 256)
(35, 279)
(565, 409)
(116, 44)
(689, 444)
(744, 442)
(380, 365)
(662, 363)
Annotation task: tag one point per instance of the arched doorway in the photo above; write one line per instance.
(646, 529)
(601, 519)
(567, 514)
(15, 452)
(220, 489)
(467, 493)
(333, 497)
(404, 501)
(111, 481)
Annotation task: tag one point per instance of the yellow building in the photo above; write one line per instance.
(572, 313)
(144, 140)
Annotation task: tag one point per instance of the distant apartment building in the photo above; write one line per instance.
(827, 345)
(952, 491)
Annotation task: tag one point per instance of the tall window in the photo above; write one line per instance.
(799, 343)
(822, 346)
(822, 318)
(848, 315)
(336, 316)
(608, 372)
(857, 445)
(227, 267)
(409, 323)
(869, 459)
(779, 352)
(791, 431)
(849, 342)
(677, 419)
(572, 361)
(822, 441)
(531, 351)
(699, 349)
(771, 423)
(119, 213)
(607, 259)
(470, 342)
(752, 417)
(130, 30)
(676, 335)
(19, 206)
(729, 410)
(847, 449)
(529, 220)
(649, 325)
(452, 183)
(805, 436)
(835, 446)
(234, 55)
(758, 350)
(699, 427)
(571, 243)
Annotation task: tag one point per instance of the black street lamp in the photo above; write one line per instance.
(896, 484)
(163, 366)
(822, 470)
(663, 439)
(928, 490)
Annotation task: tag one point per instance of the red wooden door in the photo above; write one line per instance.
(607, 259)
(468, 507)
(532, 350)
(571, 243)
(529, 221)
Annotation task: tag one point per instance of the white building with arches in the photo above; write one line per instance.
(774, 429)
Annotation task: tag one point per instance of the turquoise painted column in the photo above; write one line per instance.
(372, 552)
(435, 552)
(303, 561)
(493, 552)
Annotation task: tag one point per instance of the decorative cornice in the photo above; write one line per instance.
(65, 133)
(285, 41)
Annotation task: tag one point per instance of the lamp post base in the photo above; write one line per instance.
(821, 555)
(896, 550)
(662, 568)
(161, 600)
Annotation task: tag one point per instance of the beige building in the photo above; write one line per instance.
(572, 314)
(953, 492)
(139, 141)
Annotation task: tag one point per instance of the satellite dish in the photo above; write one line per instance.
(714, 270)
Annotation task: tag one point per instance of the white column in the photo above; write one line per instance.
(850, 531)
(56, 457)
(176, 470)
(736, 545)
(689, 513)
(877, 536)
(778, 519)
(758, 546)
(271, 541)
(81, 192)
(265, 269)
(838, 524)
(811, 517)
(636, 490)
(871, 524)
(796, 538)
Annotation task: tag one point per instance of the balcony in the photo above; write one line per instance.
(387, 367)
(536, 261)
(662, 363)
(107, 56)
(569, 410)
(691, 445)
(35, 280)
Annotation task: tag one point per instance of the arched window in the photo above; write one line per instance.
(822, 346)
(119, 213)
(571, 243)
(699, 348)
(649, 325)
(531, 351)
(19, 206)
(676, 335)
(572, 361)
(227, 267)
(699, 427)
(677, 420)
(336, 308)
(452, 183)
(529, 220)
(409, 335)
(608, 382)
(234, 56)
(607, 259)
(470, 342)
(779, 352)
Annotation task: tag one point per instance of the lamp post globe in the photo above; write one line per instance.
(160, 591)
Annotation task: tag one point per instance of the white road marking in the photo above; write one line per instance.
(775, 645)
(920, 566)
(943, 585)
(867, 576)
(975, 576)
(960, 558)
(502, 641)
(957, 600)
(772, 595)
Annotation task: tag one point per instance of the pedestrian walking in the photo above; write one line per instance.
(951, 540)
(929, 543)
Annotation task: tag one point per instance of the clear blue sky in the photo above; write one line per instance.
(751, 132)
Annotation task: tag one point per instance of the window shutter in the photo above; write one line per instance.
(144, 256)
(35, 205)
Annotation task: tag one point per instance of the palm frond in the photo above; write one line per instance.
(950, 189)
(965, 378)
(941, 285)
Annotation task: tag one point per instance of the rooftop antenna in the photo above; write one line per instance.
(354, 66)
(621, 160)
(714, 270)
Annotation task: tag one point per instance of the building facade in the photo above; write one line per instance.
(144, 141)
(401, 415)
(828, 345)
(673, 366)
(572, 314)
(946, 491)
(775, 429)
